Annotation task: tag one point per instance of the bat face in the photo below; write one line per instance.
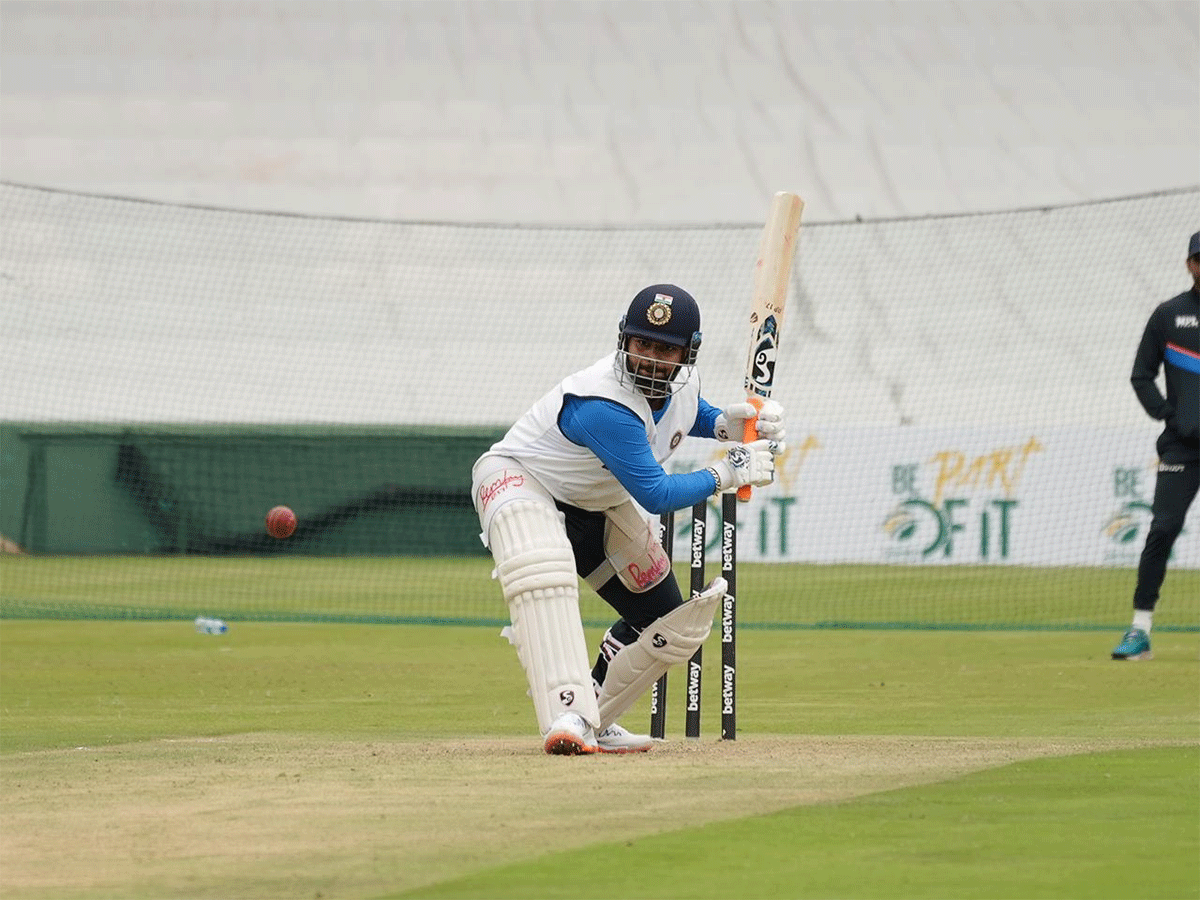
(772, 274)
(760, 375)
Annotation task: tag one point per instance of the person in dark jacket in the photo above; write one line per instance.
(1171, 342)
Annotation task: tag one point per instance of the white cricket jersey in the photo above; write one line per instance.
(573, 473)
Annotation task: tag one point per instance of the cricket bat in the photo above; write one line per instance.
(772, 274)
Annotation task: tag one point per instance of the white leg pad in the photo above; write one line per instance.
(536, 568)
(667, 642)
(632, 551)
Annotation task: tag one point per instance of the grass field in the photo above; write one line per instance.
(400, 590)
(140, 759)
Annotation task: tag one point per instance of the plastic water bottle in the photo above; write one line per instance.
(210, 626)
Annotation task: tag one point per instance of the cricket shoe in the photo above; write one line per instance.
(615, 739)
(570, 735)
(1134, 645)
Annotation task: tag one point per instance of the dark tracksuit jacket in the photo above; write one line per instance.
(1172, 341)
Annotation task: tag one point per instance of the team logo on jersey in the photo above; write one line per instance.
(675, 439)
(659, 312)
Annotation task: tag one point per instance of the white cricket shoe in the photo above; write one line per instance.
(570, 735)
(615, 739)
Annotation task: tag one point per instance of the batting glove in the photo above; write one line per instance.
(744, 464)
(731, 423)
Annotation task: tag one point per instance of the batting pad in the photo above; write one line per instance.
(536, 568)
(632, 550)
(667, 642)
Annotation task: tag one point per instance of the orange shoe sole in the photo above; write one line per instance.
(564, 743)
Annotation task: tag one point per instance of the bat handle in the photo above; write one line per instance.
(749, 434)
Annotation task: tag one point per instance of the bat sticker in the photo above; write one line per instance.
(761, 377)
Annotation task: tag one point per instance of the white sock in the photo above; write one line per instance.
(1141, 619)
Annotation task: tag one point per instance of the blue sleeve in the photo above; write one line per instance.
(618, 438)
(706, 420)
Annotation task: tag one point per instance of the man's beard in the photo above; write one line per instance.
(652, 380)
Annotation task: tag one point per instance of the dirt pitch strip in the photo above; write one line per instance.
(260, 815)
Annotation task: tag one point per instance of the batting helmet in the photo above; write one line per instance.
(665, 313)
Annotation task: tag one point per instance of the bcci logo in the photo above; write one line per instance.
(659, 312)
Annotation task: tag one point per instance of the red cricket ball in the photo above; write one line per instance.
(281, 522)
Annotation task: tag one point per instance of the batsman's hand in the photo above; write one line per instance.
(731, 423)
(752, 464)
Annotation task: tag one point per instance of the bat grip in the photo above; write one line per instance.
(749, 434)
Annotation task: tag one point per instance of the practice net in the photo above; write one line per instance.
(964, 446)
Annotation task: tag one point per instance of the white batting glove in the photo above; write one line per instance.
(744, 464)
(731, 423)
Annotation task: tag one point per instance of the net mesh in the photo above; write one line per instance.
(965, 450)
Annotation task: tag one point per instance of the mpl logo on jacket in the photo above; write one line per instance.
(1187, 321)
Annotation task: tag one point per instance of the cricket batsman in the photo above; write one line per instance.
(558, 499)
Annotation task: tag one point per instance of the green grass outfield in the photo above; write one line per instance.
(140, 759)
(401, 590)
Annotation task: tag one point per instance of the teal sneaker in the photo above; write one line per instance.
(1134, 645)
